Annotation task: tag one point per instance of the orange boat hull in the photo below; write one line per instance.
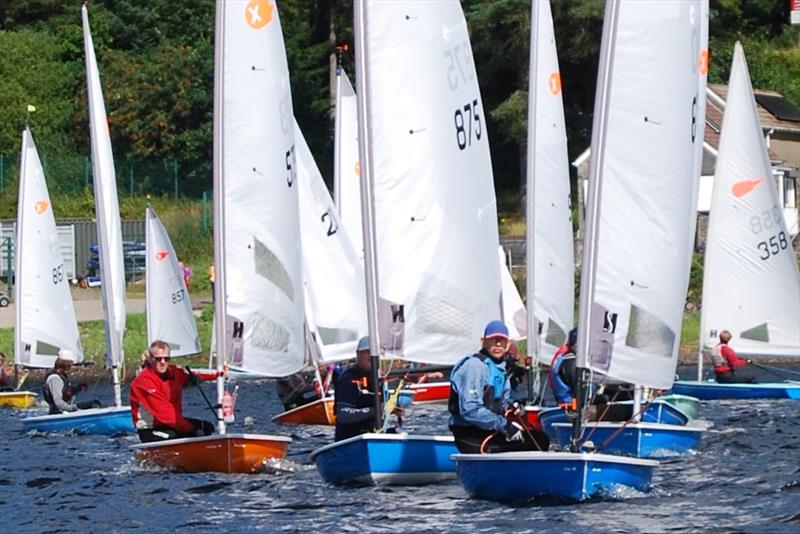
(430, 391)
(230, 453)
(319, 412)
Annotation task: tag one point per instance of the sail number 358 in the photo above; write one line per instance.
(772, 246)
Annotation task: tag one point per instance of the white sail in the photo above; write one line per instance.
(751, 284)
(109, 226)
(514, 314)
(169, 308)
(548, 168)
(636, 268)
(45, 320)
(435, 208)
(334, 279)
(347, 168)
(261, 267)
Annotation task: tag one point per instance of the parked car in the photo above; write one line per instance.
(133, 257)
(4, 300)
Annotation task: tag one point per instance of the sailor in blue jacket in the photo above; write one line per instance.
(480, 398)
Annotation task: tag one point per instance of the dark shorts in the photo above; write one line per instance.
(201, 428)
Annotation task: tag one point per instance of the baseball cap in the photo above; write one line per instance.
(496, 329)
(363, 344)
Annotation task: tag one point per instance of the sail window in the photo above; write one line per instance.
(269, 335)
(555, 334)
(757, 333)
(648, 333)
(437, 316)
(270, 267)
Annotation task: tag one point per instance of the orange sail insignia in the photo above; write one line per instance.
(745, 187)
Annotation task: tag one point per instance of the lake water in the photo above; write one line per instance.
(745, 478)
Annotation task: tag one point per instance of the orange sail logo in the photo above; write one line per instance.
(554, 83)
(258, 13)
(40, 206)
(745, 187)
(704, 61)
(161, 254)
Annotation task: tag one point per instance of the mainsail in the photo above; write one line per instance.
(435, 208)
(636, 264)
(45, 316)
(751, 284)
(334, 278)
(109, 226)
(169, 308)
(550, 246)
(258, 258)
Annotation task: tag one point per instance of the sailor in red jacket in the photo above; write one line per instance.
(156, 396)
(728, 367)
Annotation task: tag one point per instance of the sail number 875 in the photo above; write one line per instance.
(464, 119)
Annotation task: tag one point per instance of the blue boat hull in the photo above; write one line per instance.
(516, 476)
(387, 459)
(640, 440)
(656, 412)
(714, 391)
(95, 421)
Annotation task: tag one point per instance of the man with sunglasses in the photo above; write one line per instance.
(483, 418)
(156, 398)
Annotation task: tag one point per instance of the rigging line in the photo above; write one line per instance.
(622, 427)
(775, 370)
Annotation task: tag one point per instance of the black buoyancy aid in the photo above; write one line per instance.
(67, 392)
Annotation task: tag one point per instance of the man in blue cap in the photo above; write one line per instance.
(354, 402)
(483, 418)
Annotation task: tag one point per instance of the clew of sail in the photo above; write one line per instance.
(751, 282)
(644, 165)
(45, 314)
(169, 308)
(109, 226)
(334, 279)
(435, 208)
(261, 262)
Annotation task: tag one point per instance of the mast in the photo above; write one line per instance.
(532, 347)
(367, 207)
(220, 311)
(337, 143)
(589, 265)
(23, 173)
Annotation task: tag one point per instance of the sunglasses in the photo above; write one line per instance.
(161, 358)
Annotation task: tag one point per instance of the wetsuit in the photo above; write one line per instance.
(354, 403)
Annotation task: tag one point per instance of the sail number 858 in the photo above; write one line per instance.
(58, 274)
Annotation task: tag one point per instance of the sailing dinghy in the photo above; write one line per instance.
(750, 281)
(258, 291)
(433, 243)
(45, 316)
(109, 230)
(630, 308)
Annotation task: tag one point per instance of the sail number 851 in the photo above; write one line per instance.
(463, 119)
(773, 246)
